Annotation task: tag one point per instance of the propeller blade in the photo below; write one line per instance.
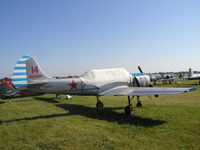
(140, 69)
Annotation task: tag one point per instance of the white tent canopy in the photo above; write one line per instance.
(102, 77)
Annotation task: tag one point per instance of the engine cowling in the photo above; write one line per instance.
(141, 80)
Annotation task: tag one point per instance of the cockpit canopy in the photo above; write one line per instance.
(101, 77)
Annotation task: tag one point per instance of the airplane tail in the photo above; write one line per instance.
(34, 72)
(19, 76)
(27, 71)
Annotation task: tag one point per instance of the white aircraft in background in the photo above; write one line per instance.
(193, 76)
(29, 77)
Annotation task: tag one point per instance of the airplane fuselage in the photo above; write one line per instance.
(194, 77)
(71, 86)
(75, 86)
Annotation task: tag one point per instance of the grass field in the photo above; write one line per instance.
(43, 122)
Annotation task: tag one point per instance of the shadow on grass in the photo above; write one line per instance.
(35, 118)
(46, 100)
(2, 102)
(109, 115)
(16, 100)
(106, 114)
(22, 100)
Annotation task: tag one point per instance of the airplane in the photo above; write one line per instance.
(165, 79)
(28, 76)
(9, 91)
(193, 76)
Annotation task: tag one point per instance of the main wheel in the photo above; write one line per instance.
(128, 110)
(139, 104)
(99, 104)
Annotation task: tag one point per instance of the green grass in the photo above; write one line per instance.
(167, 122)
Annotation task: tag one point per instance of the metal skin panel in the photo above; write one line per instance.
(71, 86)
(143, 80)
(34, 72)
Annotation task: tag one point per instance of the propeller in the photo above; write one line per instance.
(149, 85)
(139, 68)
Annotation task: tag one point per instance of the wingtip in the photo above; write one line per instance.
(191, 89)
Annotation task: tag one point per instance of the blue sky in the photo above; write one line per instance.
(73, 36)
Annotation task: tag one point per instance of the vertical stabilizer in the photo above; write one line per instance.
(34, 72)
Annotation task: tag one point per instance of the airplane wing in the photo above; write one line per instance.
(144, 91)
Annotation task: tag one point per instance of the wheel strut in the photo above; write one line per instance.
(129, 109)
(99, 104)
(139, 103)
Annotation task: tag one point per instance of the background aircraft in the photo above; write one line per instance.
(9, 91)
(193, 76)
(164, 78)
(28, 77)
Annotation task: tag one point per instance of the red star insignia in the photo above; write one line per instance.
(73, 85)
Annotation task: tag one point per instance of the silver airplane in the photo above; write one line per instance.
(28, 76)
(193, 76)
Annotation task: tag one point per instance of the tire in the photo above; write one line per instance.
(99, 105)
(139, 104)
(127, 110)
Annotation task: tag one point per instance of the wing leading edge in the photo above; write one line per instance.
(140, 91)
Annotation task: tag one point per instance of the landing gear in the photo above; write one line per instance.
(58, 96)
(139, 103)
(99, 104)
(129, 109)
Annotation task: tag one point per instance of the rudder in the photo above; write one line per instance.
(19, 76)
